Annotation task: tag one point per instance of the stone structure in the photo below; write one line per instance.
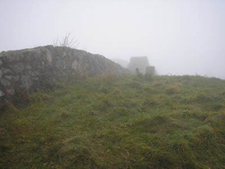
(139, 63)
(151, 70)
(31, 69)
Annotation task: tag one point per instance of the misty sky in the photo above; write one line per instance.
(178, 36)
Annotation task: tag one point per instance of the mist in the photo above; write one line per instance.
(178, 37)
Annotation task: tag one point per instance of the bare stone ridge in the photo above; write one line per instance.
(31, 69)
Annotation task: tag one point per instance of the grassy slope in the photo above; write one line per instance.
(119, 122)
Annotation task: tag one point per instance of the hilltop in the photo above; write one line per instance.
(118, 121)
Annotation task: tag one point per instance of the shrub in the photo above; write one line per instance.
(10, 107)
(172, 90)
(66, 41)
(110, 78)
(148, 76)
(40, 97)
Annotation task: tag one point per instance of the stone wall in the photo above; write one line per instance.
(31, 69)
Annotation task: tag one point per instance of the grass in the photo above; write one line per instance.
(113, 121)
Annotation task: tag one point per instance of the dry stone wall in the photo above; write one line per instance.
(31, 69)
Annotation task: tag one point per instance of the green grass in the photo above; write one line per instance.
(122, 122)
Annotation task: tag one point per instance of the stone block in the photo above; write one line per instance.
(14, 56)
(28, 67)
(2, 93)
(5, 82)
(18, 68)
(1, 73)
(26, 82)
(8, 77)
(6, 71)
(15, 78)
(74, 65)
(49, 57)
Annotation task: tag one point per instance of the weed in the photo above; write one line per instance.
(65, 114)
(149, 77)
(138, 74)
(40, 97)
(110, 78)
(134, 85)
(172, 90)
(150, 102)
(11, 108)
(117, 91)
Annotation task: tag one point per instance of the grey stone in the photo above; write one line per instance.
(64, 65)
(33, 68)
(1, 73)
(5, 82)
(34, 73)
(28, 67)
(6, 71)
(58, 64)
(49, 57)
(8, 77)
(150, 69)
(64, 54)
(2, 93)
(35, 78)
(15, 78)
(10, 91)
(18, 68)
(13, 56)
(26, 82)
(74, 65)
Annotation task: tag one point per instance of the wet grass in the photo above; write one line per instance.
(122, 122)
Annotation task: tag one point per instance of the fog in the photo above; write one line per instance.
(179, 37)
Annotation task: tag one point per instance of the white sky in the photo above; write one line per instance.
(178, 36)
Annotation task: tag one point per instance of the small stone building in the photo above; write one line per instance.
(139, 63)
